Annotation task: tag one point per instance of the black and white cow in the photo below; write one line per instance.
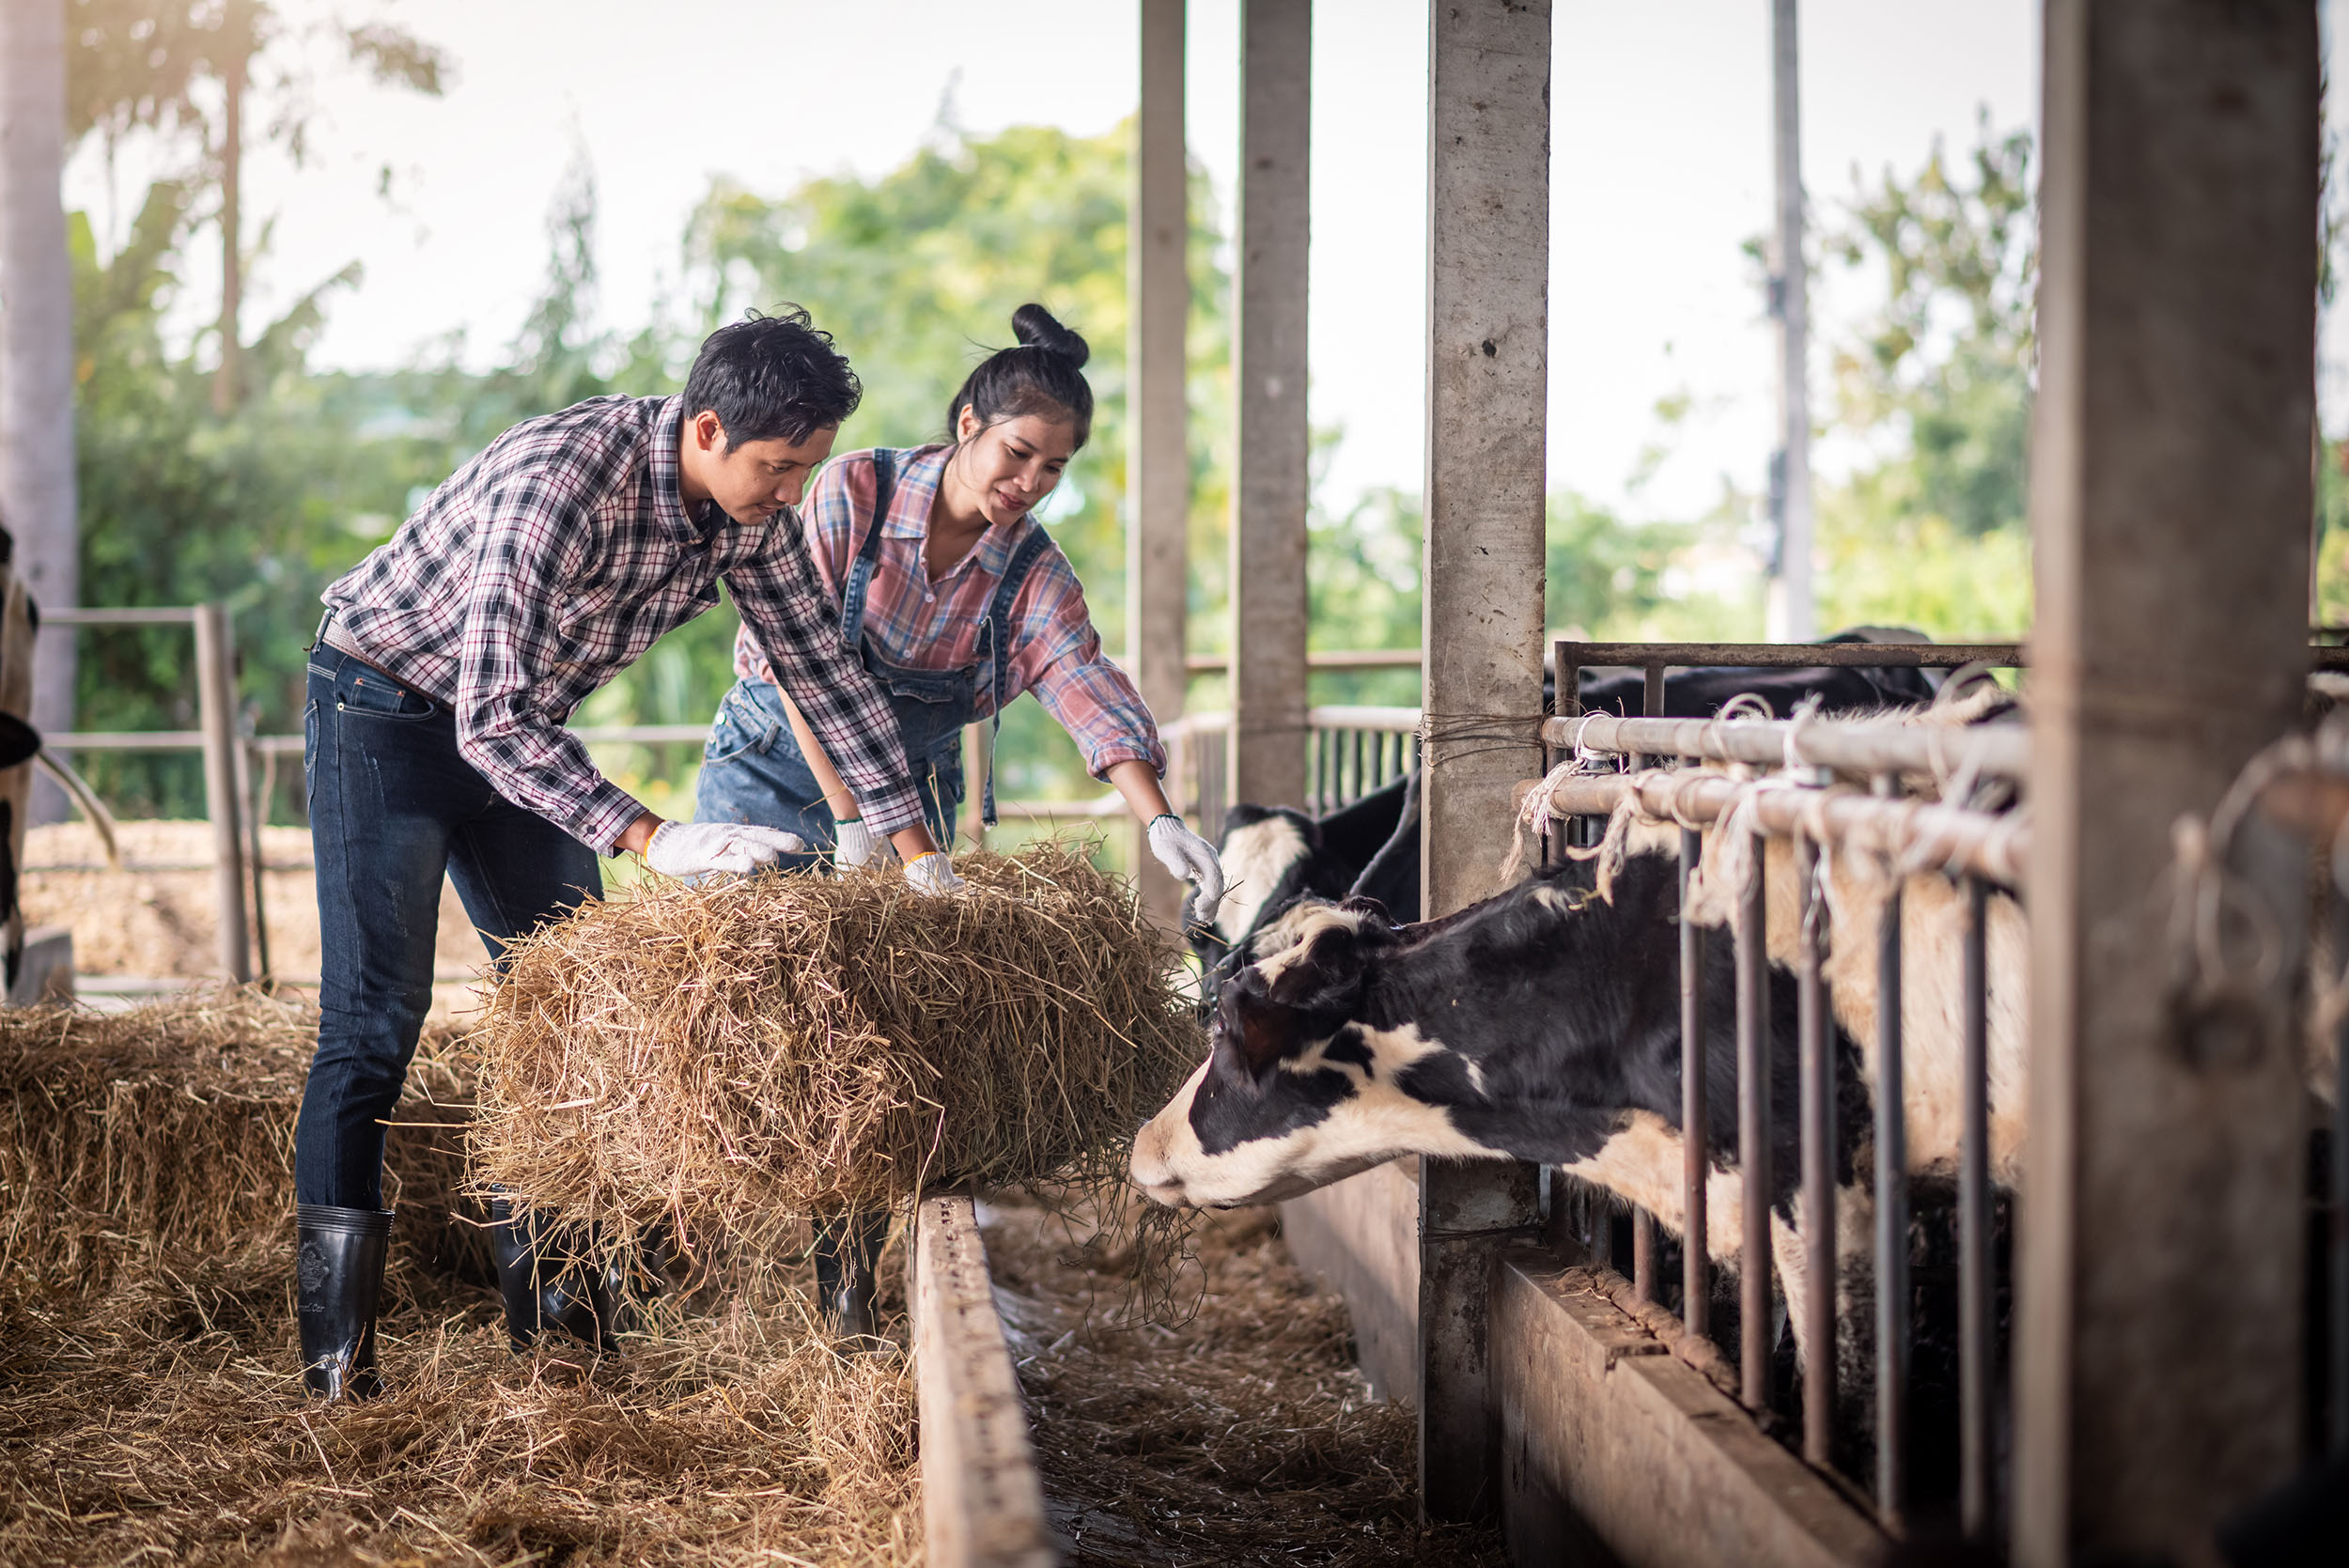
(1544, 1024)
(1275, 856)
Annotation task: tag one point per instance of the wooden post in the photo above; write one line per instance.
(1158, 440)
(2162, 1247)
(37, 468)
(1487, 361)
(1269, 490)
(1791, 614)
(216, 706)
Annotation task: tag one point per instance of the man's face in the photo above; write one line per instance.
(754, 481)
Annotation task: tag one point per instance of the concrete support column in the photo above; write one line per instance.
(1487, 389)
(1158, 446)
(1270, 488)
(2158, 1348)
(38, 501)
(1791, 611)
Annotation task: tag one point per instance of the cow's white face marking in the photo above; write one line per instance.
(1254, 860)
(1291, 937)
(1375, 1123)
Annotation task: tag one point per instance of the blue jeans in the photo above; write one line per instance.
(394, 806)
(753, 771)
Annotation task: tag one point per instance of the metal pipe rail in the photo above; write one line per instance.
(1859, 747)
(1921, 832)
(1981, 850)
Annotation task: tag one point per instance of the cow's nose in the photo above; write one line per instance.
(1153, 1174)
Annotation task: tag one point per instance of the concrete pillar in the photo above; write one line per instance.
(1269, 487)
(2158, 1348)
(38, 501)
(1157, 450)
(1487, 389)
(1791, 611)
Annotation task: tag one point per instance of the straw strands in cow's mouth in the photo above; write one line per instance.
(722, 1062)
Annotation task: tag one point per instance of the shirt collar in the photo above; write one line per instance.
(908, 518)
(663, 470)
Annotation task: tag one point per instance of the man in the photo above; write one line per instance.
(443, 671)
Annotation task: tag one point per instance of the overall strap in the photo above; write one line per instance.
(868, 552)
(995, 649)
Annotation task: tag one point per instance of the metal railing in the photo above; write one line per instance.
(1349, 753)
(1810, 807)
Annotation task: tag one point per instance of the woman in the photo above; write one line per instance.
(957, 600)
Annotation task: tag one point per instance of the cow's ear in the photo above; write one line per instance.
(1363, 904)
(1254, 1033)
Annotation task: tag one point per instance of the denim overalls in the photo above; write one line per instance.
(751, 767)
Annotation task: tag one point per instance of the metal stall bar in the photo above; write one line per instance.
(1817, 1101)
(1859, 746)
(1808, 655)
(1643, 1222)
(1891, 1219)
(1753, 1136)
(1973, 1223)
(1696, 1158)
(1953, 839)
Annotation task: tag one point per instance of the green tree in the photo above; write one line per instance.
(1931, 531)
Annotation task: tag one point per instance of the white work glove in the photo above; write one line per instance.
(933, 873)
(701, 849)
(1193, 859)
(856, 843)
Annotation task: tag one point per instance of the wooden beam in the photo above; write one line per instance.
(982, 1505)
(38, 485)
(1158, 442)
(2162, 1246)
(1271, 480)
(1487, 389)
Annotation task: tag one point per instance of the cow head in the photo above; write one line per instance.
(1299, 1088)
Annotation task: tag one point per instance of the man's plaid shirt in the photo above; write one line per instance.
(923, 625)
(550, 562)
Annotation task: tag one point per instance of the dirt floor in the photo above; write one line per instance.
(1241, 1435)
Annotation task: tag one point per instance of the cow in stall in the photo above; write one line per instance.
(1276, 856)
(1544, 1024)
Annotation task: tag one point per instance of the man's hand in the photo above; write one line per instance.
(700, 848)
(856, 843)
(1193, 859)
(933, 873)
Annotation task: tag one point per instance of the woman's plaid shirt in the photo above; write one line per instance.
(549, 563)
(923, 625)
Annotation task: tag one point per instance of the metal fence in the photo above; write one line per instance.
(1839, 788)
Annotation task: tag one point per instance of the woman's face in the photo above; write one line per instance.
(1012, 464)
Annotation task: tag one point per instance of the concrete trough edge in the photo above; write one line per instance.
(982, 1503)
(1608, 1438)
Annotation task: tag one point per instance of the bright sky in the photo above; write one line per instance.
(1660, 168)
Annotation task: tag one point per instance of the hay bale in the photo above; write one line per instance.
(167, 1130)
(734, 1058)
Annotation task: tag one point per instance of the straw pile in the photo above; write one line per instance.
(131, 1139)
(149, 1396)
(732, 1059)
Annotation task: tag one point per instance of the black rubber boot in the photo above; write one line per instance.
(339, 1279)
(846, 1249)
(542, 1291)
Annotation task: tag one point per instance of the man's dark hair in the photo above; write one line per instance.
(772, 377)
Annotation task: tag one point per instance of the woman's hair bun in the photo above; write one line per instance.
(1036, 327)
